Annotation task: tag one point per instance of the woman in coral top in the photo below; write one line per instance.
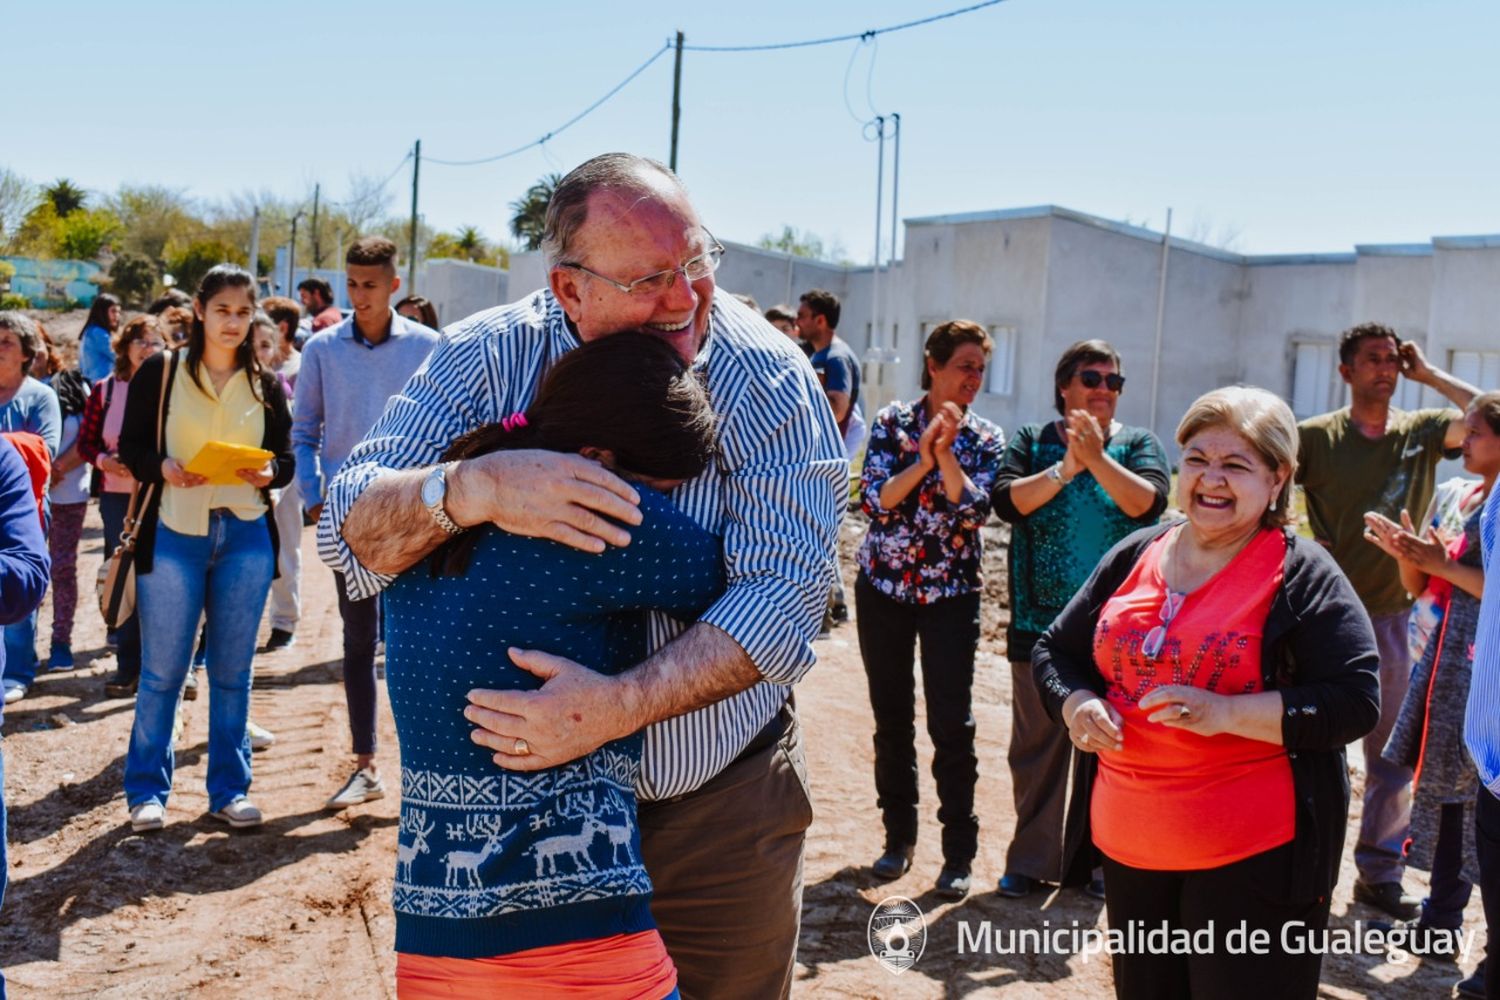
(1210, 673)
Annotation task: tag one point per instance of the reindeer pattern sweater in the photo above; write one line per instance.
(490, 862)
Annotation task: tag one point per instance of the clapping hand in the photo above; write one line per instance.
(1085, 439)
(1424, 552)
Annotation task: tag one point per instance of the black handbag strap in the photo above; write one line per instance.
(145, 493)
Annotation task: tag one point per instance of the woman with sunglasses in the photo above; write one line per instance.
(1070, 489)
(1210, 673)
(928, 471)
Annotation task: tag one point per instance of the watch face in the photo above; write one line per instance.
(432, 488)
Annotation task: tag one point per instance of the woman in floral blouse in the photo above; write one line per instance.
(928, 471)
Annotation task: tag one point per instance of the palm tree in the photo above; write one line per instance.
(471, 243)
(66, 197)
(528, 218)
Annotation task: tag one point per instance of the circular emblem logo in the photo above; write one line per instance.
(897, 933)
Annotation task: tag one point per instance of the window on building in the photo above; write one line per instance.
(1002, 367)
(1314, 378)
(1478, 368)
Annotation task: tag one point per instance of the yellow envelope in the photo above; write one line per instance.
(218, 460)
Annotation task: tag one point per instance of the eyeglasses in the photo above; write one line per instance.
(694, 269)
(1157, 637)
(1092, 379)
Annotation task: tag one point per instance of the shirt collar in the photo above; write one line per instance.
(349, 330)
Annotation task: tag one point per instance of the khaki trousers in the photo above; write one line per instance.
(726, 861)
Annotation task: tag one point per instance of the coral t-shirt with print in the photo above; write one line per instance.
(1171, 799)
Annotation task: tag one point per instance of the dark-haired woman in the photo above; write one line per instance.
(68, 496)
(926, 486)
(531, 884)
(96, 354)
(202, 548)
(1070, 488)
(99, 445)
(420, 309)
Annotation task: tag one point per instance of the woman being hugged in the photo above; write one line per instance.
(1211, 671)
(531, 884)
(929, 468)
(202, 549)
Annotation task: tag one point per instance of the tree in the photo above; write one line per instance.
(18, 196)
(133, 278)
(800, 243)
(66, 197)
(151, 216)
(85, 232)
(468, 244)
(189, 263)
(40, 233)
(528, 220)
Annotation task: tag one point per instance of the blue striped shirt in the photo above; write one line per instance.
(1482, 720)
(774, 492)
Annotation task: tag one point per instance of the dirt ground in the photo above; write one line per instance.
(301, 907)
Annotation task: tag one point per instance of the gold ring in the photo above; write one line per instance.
(522, 747)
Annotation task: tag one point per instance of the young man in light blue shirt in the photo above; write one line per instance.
(349, 372)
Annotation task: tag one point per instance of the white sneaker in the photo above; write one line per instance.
(147, 816)
(240, 813)
(14, 691)
(261, 738)
(363, 786)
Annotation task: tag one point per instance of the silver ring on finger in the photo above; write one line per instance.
(1183, 712)
(1084, 738)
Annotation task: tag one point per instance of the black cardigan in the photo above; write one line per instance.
(138, 443)
(1318, 650)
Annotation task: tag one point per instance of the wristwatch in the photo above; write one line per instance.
(1054, 473)
(434, 492)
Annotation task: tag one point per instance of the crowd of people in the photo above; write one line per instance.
(596, 531)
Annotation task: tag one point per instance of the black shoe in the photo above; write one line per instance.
(839, 614)
(280, 638)
(952, 883)
(1421, 940)
(1387, 897)
(895, 862)
(1473, 986)
(118, 685)
(1095, 888)
(1014, 886)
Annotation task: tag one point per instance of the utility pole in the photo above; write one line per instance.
(411, 258)
(255, 249)
(676, 102)
(317, 248)
(291, 255)
(1161, 316)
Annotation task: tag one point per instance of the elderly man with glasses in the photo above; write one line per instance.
(723, 797)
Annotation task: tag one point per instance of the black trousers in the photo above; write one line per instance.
(361, 628)
(949, 631)
(1252, 893)
(1487, 843)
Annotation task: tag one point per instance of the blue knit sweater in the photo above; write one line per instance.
(489, 861)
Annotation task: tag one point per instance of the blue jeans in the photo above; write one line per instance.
(226, 575)
(20, 650)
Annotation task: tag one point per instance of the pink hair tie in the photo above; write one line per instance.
(514, 422)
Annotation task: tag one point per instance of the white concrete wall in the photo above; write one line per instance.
(459, 288)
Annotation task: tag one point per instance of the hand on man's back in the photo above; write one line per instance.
(545, 494)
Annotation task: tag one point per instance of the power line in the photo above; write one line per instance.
(862, 35)
(565, 125)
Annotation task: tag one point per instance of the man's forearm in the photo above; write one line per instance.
(701, 666)
(389, 529)
(1454, 389)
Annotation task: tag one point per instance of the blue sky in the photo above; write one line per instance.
(1305, 126)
